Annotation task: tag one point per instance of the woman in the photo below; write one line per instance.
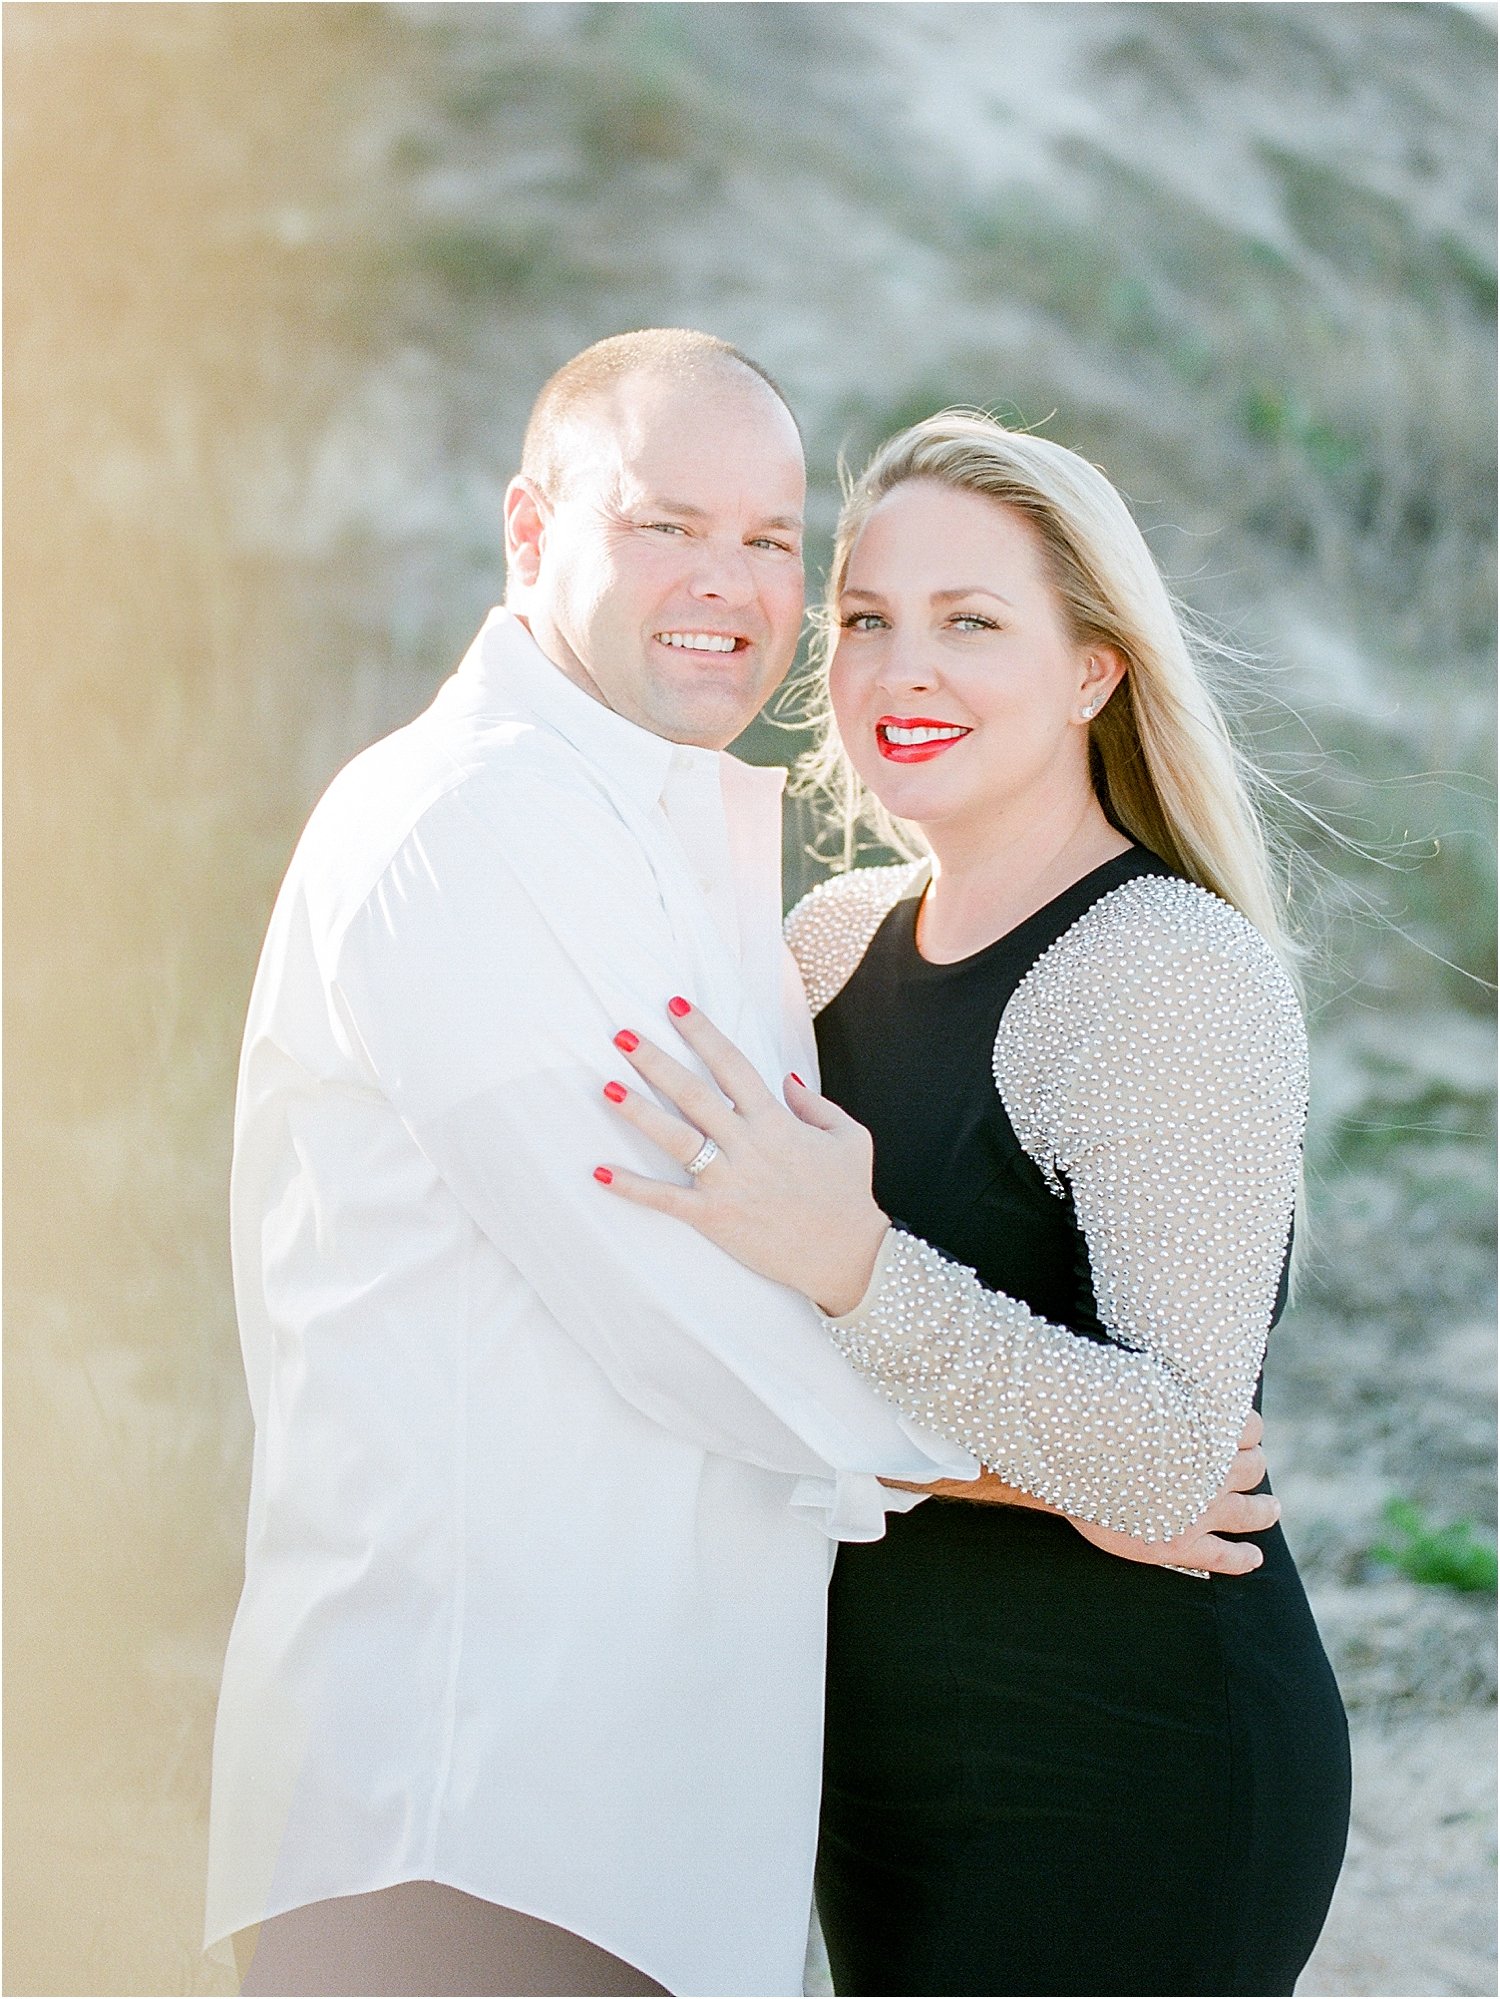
(1083, 1068)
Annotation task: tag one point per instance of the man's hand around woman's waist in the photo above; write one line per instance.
(1239, 1509)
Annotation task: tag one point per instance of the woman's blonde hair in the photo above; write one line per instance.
(1165, 767)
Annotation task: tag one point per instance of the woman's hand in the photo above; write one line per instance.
(1239, 1509)
(788, 1190)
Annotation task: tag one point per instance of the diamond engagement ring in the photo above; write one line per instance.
(705, 1156)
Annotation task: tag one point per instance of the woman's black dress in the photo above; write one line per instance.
(1048, 1770)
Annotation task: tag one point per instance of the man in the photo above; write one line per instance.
(524, 1690)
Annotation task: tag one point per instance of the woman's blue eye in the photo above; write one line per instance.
(863, 621)
(972, 620)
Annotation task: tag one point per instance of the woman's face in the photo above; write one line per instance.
(957, 688)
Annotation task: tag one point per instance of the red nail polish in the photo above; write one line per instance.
(615, 1092)
(678, 1006)
(603, 1175)
(628, 1041)
(797, 1079)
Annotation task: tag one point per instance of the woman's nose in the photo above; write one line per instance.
(903, 670)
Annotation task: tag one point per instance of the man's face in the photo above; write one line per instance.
(668, 571)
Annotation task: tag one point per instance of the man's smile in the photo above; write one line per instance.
(703, 641)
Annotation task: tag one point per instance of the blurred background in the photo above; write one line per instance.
(282, 283)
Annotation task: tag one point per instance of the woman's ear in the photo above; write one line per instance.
(1103, 670)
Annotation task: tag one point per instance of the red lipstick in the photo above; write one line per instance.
(925, 748)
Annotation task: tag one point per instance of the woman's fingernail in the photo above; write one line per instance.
(678, 1006)
(797, 1079)
(628, 1041)
(603, 1175)
(615, 1092)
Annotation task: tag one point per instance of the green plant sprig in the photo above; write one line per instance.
(1451, 1557)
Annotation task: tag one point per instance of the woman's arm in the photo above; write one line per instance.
(1212, 1545)
(1156, 1067)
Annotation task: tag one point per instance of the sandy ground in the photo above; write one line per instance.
(1415, 1910)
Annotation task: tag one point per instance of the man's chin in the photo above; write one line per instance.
(704, 737)
(710, 722)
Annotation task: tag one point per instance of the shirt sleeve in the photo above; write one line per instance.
(1160, 1074)
(514, 932)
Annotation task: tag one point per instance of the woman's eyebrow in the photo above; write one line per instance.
(971, 590)
(940, 596)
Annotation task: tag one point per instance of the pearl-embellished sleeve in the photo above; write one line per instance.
(830, 929)
(1153, 1063)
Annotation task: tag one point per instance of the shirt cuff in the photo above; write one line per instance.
(883, 1256)
(846, 1506)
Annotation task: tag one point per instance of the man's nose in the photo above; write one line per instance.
(723, 575)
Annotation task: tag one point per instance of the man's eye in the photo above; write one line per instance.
(863, 621)
(665, 527)
(770, 541)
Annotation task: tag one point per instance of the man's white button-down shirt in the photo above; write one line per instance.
(544, 1485)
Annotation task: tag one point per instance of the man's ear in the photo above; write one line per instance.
(525, 530)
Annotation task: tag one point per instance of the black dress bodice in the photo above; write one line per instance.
(907, 1048)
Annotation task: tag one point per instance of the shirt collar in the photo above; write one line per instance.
(507, 670)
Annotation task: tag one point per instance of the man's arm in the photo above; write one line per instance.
(512, 934)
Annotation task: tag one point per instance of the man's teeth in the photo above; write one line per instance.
(894, 734)
(697, 641)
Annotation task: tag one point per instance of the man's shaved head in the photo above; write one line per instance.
(557, 429)
(653, 537)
